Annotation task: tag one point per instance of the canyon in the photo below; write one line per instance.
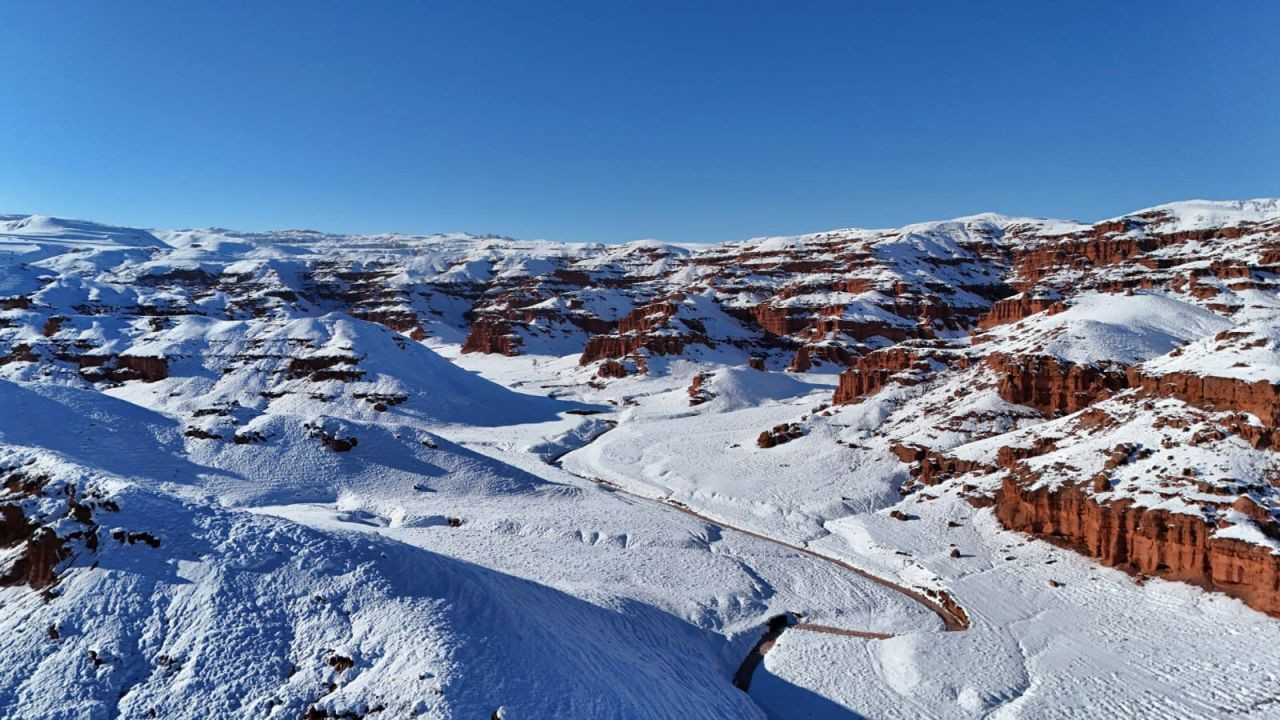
(394, 449)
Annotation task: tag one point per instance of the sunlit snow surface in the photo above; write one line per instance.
(462, 573)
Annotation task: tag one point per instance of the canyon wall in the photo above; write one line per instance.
(1149, 541)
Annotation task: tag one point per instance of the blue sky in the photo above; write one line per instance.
(610, 121)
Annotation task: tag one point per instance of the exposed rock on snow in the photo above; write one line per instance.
(311, 475)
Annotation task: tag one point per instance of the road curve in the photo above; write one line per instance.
(954, 618)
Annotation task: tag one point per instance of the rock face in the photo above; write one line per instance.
(1020, 306)
(41, 550)
(1052, 386)
(663, 327)
(1260, 398)
(491, 336)
(902, 364)
(991, 325)
(146, 369)
(1144, 540)
(603, 347)
(801, 362)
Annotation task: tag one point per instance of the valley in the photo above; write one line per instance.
(991, 467)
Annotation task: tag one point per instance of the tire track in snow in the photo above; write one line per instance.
(953, 620)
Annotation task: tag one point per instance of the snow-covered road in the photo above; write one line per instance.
(953, 618)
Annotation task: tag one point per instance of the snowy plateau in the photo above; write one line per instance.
(991, 467)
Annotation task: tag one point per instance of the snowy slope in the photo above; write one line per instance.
(296, 474)
(1100, 327)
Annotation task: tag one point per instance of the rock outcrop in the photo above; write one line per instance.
(698, 390)
(491, 336)
(1052, 386)
(902, 364)
(1259, 398)
(1149, 541)
(1020, 306)
(779, 434)
(35, 566)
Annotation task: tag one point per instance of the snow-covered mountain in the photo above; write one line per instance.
(304, 475)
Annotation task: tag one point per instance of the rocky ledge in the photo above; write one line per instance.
(1149, 541)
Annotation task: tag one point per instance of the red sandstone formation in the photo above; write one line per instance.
(96, 368)
(779, 434)
(42, 551)
(52, 325)
(1007, 456)
(801, 363)
(650, 317)
(649, 327)
(618, 346)
(14, 526)
(1053, 386)
(779, 321)
(931, 467)
(936, 467)
(1260, 398)
(491, 336)
(398, 319)
(1144, 540)
(810, 355)
(905, 365)
(1111, 257)
(146, 369)
(698, 391)
(1022, 305)
(611, 369)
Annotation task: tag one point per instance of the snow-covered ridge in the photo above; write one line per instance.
(1185, 214)
(318, 475)
(1201, 214)
(17, 230)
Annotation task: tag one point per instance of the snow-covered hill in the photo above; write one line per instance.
(303, 475)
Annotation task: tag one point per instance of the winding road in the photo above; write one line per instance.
(953, 617)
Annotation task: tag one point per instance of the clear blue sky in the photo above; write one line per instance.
(603, 120)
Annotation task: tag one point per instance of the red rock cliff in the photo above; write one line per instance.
(1260, 398)
(1016, 308)
(1053, 386)
(905, 365)
(491, 336)
(1144, 540)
